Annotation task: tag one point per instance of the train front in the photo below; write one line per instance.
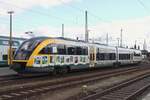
(24, 56)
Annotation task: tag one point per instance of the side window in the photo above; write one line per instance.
(5, 42)
(44, 60)
(61, 49)
(85, 51)
(106, 56)
(79, 51)
(112, 56)
(45, 50)
(51, 59)
(37, 60)
(5, 57)
(15, 43)
(71, 50)
(124, 56)
(102, 56)
(49, 49)
(137, 54)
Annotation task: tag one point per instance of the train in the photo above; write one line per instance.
(60, 55)
(4, 47)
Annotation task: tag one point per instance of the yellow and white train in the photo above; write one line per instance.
(59, 55)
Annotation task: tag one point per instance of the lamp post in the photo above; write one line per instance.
(10, 38)
(62, 30)
(121, 37)
(118, 41)
(30, 33)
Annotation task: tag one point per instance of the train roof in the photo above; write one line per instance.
(81, 41)
(16, 38)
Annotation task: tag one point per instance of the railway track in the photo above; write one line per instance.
(30, 90)
(128, 90)
(9, 77)
(16, 79)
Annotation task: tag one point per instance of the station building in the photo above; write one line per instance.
(4, 46)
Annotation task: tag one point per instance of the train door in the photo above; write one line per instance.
(92, 56)
(117, 54)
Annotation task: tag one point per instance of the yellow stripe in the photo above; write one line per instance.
(20, 60)
(38, 49)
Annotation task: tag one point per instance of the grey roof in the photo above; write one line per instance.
(62, 38)
(16, 38)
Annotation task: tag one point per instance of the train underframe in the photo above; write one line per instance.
(59, 69)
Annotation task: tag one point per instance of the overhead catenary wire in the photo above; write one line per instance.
(144, 6)
(20, 22)
(4, 20)
(39, 12)
(16, 21)
(52, 15)
(83, 10)
(73, 7)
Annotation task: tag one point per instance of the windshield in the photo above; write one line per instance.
(25, 50)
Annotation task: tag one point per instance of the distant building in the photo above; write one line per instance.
(4, 46)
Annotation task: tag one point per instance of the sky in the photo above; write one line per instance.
(45, 17)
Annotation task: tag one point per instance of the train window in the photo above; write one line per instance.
(58, 59)
(44, 50)
(37, 60)
(71, 58)
(81, 59)
(67, 60)
(62, 59)
(84, 59)
(71, 50)
(85, 51)
(124, 56)
(25, 50)
(81, 51)
(137, 54)
(15, 43)
(101, 56)
(5, 42)
(5, 57)
(27, 46)
(106, 55)
(78, 51)
(54, 49)
(51, 59)
(44, 60)
(61, 49)
(49, 49)
(76, 60)
(112, 56)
